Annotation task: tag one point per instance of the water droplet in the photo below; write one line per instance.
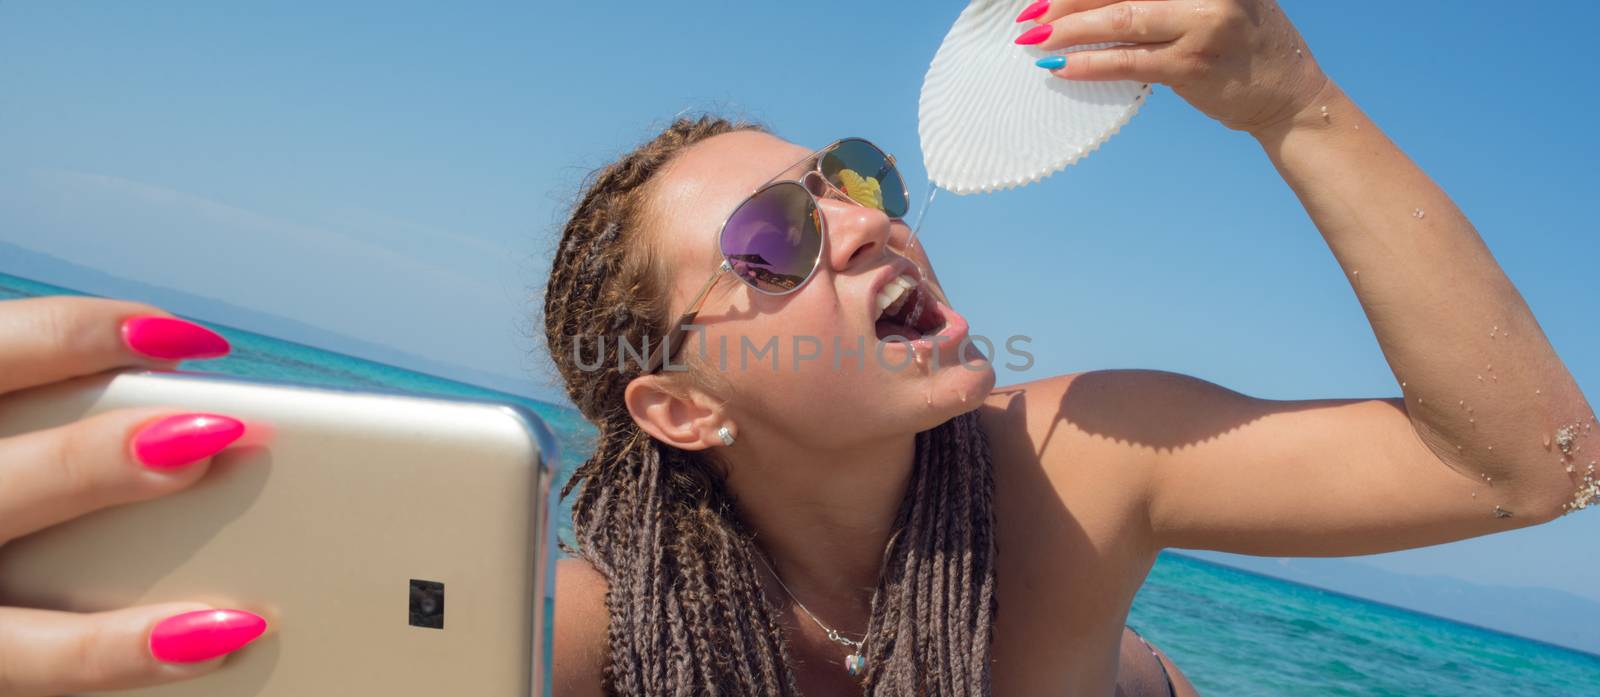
(1418, 214)
(1565, 436)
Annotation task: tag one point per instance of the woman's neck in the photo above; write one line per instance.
(825, 517)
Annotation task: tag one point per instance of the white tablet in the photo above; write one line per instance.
(398, 545)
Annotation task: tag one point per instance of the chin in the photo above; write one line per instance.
(952, 390)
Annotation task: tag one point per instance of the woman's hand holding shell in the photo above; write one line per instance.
(1241, 62)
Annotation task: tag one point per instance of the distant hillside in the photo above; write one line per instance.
(45, 268)
(1544, 614)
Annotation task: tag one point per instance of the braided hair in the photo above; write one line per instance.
(687, 612)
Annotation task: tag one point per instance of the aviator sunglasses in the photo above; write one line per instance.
(773, 240)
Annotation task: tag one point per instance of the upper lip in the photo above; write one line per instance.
(896, 267)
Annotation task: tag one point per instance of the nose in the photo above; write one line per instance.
(857, 235)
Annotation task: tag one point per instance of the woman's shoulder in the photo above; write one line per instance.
(580, 646)
(1054, 414)
(1101, 414)
(1078, 438)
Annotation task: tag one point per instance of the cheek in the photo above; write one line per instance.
(788, 350)
(800, 334)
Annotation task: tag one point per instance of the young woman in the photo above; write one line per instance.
(877, 519)
(846, 515)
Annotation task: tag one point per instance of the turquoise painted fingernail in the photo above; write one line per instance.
(1052, 62)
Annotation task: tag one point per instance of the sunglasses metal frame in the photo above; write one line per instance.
(659, 355)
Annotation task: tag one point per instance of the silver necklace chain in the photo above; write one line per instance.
(833, 634)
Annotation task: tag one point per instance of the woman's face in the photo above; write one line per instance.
(811, 365)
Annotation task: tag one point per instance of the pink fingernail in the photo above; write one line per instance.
(1034, 11)
(1035, 35)
(169, 338)
(204, 634)
(185, 439)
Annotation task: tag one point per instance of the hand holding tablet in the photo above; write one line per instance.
(157, 525)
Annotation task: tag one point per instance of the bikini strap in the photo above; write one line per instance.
(1172, 691)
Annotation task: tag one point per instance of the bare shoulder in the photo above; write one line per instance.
(580, 647)
(1086, 439)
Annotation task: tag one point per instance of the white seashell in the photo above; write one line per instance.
(990, 119)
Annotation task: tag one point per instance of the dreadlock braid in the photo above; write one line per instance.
(688, 615)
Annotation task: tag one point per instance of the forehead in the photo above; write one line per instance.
(704, 183)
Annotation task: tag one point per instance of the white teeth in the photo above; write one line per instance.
(894, 293)
(890, 294)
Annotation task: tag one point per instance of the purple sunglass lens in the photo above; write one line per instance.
(774, 239)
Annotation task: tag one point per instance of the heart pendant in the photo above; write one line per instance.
(855, 663)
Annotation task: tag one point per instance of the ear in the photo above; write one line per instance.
(686, 419)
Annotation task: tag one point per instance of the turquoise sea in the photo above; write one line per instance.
(1233, 632)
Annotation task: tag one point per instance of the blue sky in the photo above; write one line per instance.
(393, 172)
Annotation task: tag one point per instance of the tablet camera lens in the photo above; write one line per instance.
(427, 604)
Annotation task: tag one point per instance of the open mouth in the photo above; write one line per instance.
(907, 310)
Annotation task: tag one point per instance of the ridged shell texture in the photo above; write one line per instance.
(990, 119)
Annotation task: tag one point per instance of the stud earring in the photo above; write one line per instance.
(725, 435)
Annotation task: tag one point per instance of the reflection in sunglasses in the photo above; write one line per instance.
(750, 268)
(750, 259)
(863, 190)
(760, 275)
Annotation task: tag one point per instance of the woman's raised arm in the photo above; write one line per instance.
(1492, 431)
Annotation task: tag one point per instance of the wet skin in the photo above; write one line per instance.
(1070, 552)
(1094, 472)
